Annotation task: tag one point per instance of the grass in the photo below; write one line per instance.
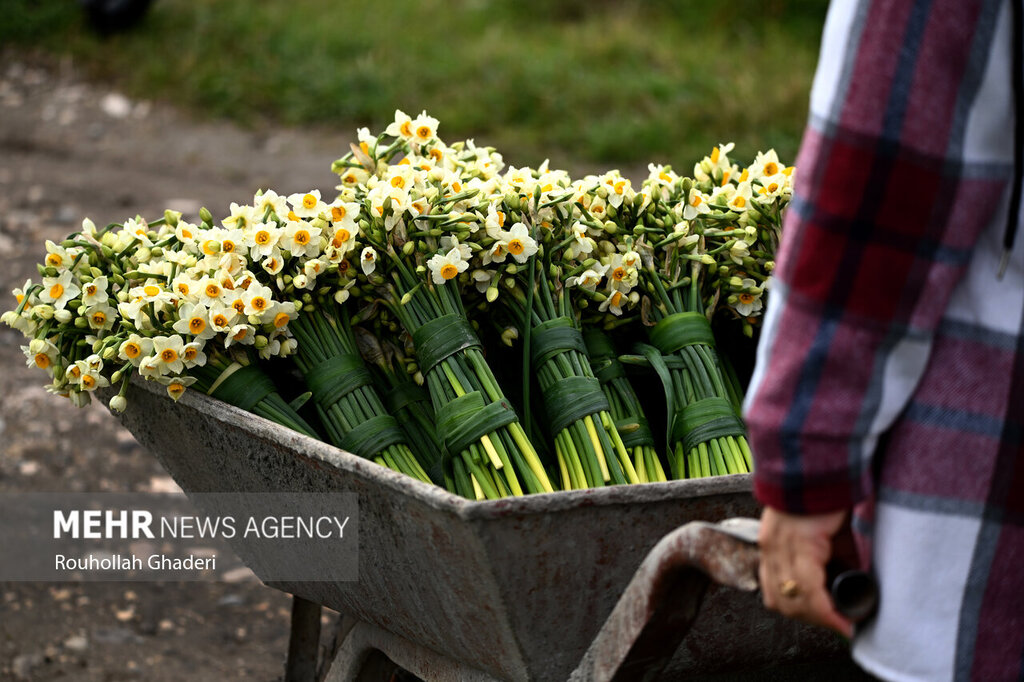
(578, 81)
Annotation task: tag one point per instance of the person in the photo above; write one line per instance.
(888, 392)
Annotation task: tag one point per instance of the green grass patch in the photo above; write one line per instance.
(577, 81)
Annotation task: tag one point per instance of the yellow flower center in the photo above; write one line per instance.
(281, 319)
(338, 213)
(696, 201)
(309, 201)
(665, 176)
(168, 355)
(435, 154)
(228, 246)
(714, 155)
(175, 390)
(42, 360)
(616, 298)
(210, 247)
(187, 234)
(744, 175)
(90, 289)
(99, 318)
(746, 298)
(516, 247)
(423, 132)
(406, 128)
(132, 350)
(56, 291)
(190, 354)
(599, 209)
(739, 202)
(620, 186)
(183, 288)
(457, 186)
(619, 274)
(220, 320)
(239, 305)
(770, 168)
(240, 334)
(449, 271)
(54, 260)
(773, 187)
(725, 177)
(151, 290)
(213, 290)
(292, 216)
(272, 264)
(501, 219)
(301, 237)
(340, 237)
(350, 179)
(398, 181)
(75, 371)
(88, 382)
(262, 238)
(259, 303)
(196, 325)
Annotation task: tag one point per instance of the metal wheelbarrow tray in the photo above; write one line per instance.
(514, 589)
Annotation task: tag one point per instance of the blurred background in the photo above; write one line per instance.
(109, 112)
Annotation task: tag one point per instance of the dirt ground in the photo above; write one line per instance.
(70, 150)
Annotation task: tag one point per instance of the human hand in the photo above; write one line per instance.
(794, 551)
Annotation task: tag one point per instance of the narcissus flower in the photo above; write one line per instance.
(57, 291)
(520, 244)
(444, 267)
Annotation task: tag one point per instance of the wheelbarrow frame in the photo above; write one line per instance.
(516, 588)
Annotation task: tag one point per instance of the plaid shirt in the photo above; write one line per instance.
(890, 374)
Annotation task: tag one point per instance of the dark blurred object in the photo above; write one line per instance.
(113, 16)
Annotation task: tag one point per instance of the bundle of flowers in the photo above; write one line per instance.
(157, 300)
(391, 287)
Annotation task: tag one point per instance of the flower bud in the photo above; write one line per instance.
(205, 215)
(45, 312)
(118, 403)
(172, 217)
(509, 335)
(110, 353)
(88, 226)
(260, 342)
(63, 316)
(409, 248)
(116, 376)
(707, 259)
(610, 227)
(492, 294)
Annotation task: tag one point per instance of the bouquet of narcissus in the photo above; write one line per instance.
(370, 319)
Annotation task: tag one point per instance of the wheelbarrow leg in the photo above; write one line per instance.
(304, 642)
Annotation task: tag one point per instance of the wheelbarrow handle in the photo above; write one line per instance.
(661, 602)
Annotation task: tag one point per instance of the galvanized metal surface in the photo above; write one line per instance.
(515, 588)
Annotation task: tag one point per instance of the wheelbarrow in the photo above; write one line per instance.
(513, 589)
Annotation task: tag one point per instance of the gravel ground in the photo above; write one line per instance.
(70, 150)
